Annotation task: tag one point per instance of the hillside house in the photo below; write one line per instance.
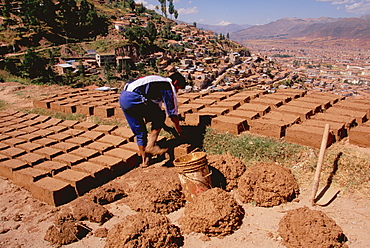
(104, 58)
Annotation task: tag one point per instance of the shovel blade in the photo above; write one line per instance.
(325, 196)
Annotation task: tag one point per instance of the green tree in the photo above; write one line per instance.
(6, 9)
(151, 32)
(33, 66)
(163, 7)
(171, 8)
(194, 24)
(176, 14)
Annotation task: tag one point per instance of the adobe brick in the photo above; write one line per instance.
(303, 112)
(12, 152)
(6, 129)
(57, 129)
(245, 114)
(29, 129)
(29, 137)
(49, 152)
(100, 146)
(51, 167)
(192, 96)
(69, 159)
(30, 116)
(93, 135)
(360, 136)
(15, 133)
(53, 121)
(31, 122)
(216, 97)
(181, 150)
(19, 114)
(42, 118)
(100, 173)
(194, 106)
(267, 127)
(14, 141)
(69, 108)
(73, 132)
(81, 181)
(196, 119)
(32, 158)
(85, 153)
(68, 123)
(106, 129)
(65, 146)
(205, 102)
(29, 146)
(104, 111)
(236, 98)
(3, 146)
(27, 176)
(7, 167)
(348, 121)
(118, 113)
(53, 191)
(56, 106)
(124, 132)
(18, 126)
(60, 137)
(316, 107)
(262, 109)
(3, 158)
(85, 125)
(307, 135)
(234, 125)
(45, 141)
(287, 118)
(42, 103)
(110, 162)
(360, 116)
(129, 157)
(43, 132)
(4, 137)
(214, 110)
(132, 146)
(273, 103)
(182, 100)
(86, 109)
(81, 141)
(228, 105)
(113, 140)
(337, 128)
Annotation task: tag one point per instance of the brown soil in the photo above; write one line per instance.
(215, 212)
(267, 185)
(25, 221)
(83, 209)
(226, 170)
(155, 190)
(304, 227)
(144, 230)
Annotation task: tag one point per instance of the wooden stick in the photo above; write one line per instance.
(316, 180)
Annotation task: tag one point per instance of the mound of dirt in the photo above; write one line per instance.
(106, 194)
(156, 190)
(84, 209)
(215, 212)
(144, 230)
(267, 185)
(65, 230)
(304, 227)
(230, 167)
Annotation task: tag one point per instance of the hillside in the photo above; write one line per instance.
(311, 28)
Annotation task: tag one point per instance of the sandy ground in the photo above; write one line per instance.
(24, 220)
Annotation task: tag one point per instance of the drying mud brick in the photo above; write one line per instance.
(44, 132)
(234, 125)
(337, 128)
(45, 141)
(29, 147)
(348, 121)
(316, 108)
(12, 152)
(262, 109)
(192, 106)
(86, 109)
(113, 140)
(104, 111)
(267, 185)
(360, 136)
(100, 146)
(114, 164)
(229, 105)
(8, 166)
(80, 141)
(144, 230)
(93, 135)
(3, 146)
(73, 132)
(51, 167)
(360, 116)
(32, 158)
(60, 136)
(49, 152)
(199, 118)
(215, 212)
(106, 129)
(181, 150)
(65, 146)
(205, 102)
(42, 103)
(129, 157)
(85, 153)
(100, 173)
(69, 159)
(69, 108)
(68, 123)
(325, 104)
(288, 118)
(27, 176)
(132, 146)
(216, 97)
(303, 112)
(124, 132)
(304, 227)
(307, 135)
(214, 110)
(81, 181)
(238, 99)
(14, 141)
(265, 100)
(15, 133)
(84, 209)
(268, 127)
(53, 191)
(349, 105)
(56, 106)
(85, 125)
(245, 114)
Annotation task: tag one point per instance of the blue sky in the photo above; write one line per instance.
(218, 12)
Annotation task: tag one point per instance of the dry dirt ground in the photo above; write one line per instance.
(24, 220)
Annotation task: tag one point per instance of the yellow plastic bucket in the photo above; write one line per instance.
(194, 174)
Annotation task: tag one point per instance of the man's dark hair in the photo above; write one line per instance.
(181, 81)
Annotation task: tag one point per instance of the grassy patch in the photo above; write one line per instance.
(344, 167)
(3, 105)
(59, 115)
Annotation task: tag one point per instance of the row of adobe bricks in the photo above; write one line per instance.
(295, 115)
(59, 160)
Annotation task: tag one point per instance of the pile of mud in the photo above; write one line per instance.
(156, 190)
(144, 230)
(226, 170)
(267, 185)
(304, 227)
(215, 212)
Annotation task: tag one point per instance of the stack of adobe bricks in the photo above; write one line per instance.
(59, 160)
(291, 114)
(86, 102)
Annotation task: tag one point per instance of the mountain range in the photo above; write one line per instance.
(323, 27)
